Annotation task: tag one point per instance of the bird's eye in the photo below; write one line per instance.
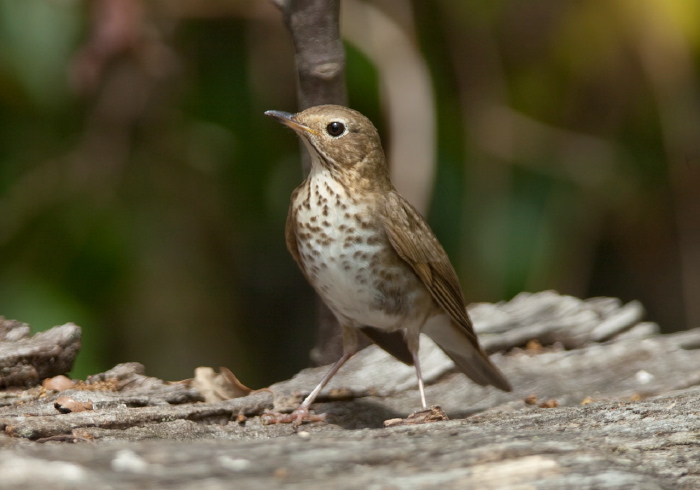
(335, 128)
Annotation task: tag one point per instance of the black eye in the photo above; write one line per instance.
(335, 128)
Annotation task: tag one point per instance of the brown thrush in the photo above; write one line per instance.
(370, 255)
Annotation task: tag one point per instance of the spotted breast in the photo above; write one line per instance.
(344, 256)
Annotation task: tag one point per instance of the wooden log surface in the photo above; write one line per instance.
(600, 400)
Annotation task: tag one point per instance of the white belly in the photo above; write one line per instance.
(342, 256)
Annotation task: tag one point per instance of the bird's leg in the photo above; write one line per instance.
(425, 415)
(302, 412)
(412, 337)
(419, 375)
(304, 407)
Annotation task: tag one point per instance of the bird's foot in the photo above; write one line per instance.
(297, 417)
(432, 414)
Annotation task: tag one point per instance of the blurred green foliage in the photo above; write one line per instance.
(143, 194)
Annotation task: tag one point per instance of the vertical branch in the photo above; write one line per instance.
(320, 59)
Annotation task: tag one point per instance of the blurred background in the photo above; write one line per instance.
(552, 144)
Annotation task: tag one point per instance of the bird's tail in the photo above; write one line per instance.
(465, 352)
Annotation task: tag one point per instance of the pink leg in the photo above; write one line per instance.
(419, 375)
(302, 413)
(312, 396)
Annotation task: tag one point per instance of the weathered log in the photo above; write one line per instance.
(616, 413)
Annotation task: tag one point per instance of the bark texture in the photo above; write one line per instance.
(26, 360)
(600, 400)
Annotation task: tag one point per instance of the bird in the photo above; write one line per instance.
(370, 255)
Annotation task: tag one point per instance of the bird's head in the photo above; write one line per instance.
(341, 140)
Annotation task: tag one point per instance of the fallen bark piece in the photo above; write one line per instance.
(25, 360)
(550, 317)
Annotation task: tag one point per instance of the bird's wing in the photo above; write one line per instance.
(414, 242)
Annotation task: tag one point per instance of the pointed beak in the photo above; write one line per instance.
(289, 120)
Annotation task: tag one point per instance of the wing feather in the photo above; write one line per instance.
(414, 242)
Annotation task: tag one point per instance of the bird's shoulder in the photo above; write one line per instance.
(409, 232)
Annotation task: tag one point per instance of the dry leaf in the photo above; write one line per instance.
(216, 387)
(66, 404)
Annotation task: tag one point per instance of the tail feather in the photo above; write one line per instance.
(468, 357)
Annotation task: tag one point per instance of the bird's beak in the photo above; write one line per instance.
(290, 120)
